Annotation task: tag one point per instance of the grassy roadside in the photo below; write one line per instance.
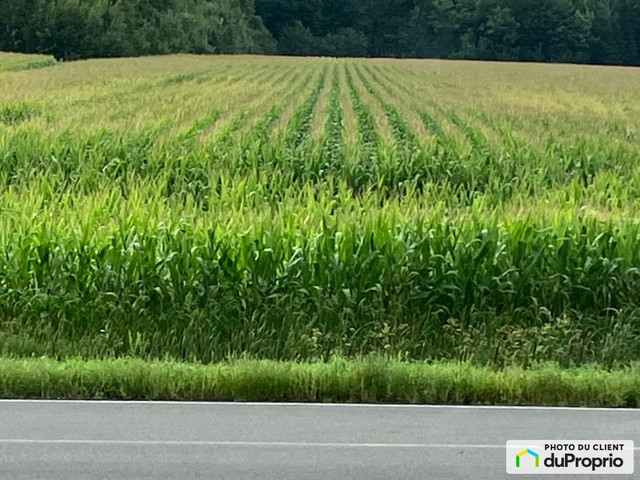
(369, 380)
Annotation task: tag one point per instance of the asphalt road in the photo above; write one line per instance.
(92, 440)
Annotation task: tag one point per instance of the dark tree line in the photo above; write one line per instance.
(71, 29)
(586, 31)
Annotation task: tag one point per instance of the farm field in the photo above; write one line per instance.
(11, 62)
(214, 208)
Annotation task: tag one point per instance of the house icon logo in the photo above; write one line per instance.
(527, 452)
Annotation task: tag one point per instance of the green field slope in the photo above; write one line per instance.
(210, 208)
(11, 62)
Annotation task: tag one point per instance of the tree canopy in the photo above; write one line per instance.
(71, 29)
(584, 31)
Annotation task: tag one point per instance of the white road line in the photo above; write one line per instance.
(20, 441)
(172, 443)
(323, 405)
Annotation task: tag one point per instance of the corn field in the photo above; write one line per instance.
(207, 208)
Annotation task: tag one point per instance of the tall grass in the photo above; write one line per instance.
(368, 380)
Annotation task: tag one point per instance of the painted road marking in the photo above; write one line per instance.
(21, 441)
(323, 405)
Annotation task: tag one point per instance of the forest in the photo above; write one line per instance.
(573, 31)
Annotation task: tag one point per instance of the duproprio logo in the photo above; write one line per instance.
(552, 457)
(527, 452)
